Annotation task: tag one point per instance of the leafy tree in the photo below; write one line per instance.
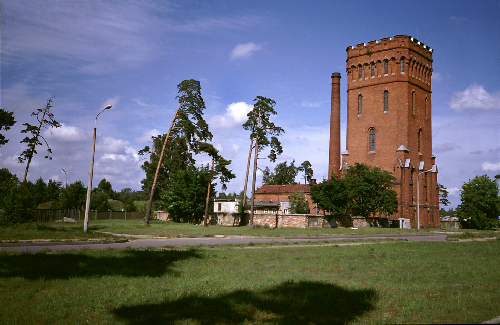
(184, 199)
(331, 195)
(282, 175)
(480, 204)
(45, 121)
(99, 200)
(106, 187)
(298, 203)
(361, 191)
(16, 199)
(77, 195)
(443, 195)
(40, 192)
(187, 130)
(370, 191)
(6, 121)
(53, 190)
(264, 134)
(7, 182)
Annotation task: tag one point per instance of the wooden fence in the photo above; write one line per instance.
(51, 215)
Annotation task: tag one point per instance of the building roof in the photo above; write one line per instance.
(283, 188)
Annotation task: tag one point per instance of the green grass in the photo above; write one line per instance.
(175, 230)
(50, 230)
(473, 233)
(400, 282)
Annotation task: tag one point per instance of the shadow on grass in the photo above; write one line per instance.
(86, 263)
(288, 303)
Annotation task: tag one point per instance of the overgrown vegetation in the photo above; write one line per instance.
(446, 282)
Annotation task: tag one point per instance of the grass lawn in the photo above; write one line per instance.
(400, 282)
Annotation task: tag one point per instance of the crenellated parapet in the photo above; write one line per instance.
(401, 56)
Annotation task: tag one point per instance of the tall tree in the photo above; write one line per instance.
(480, 206)
(76, 193)
(187, 130)
(263, 133)
(46, 120)
(331, 195)
(6, 121)
(306, 167)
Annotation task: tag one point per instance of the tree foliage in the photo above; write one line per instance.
(46, 120)
(306, 167)
(361, 191)
(480, 204)
(298, 203)
(6, 121)
(184, 199)
(284, 174)
(443, 195)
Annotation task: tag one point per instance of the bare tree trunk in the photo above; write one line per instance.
(205, 223)
(150, 201)
(256, 155)
(244, 198)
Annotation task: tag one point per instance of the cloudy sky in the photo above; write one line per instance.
(132, 55)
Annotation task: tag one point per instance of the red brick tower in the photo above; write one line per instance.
(334, 154)
(389, 121)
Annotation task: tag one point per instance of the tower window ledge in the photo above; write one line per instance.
(378, 76)
(373, 77)
(385, 112)
(366, 78)
(359, 115)
(394, 73)
(385, 75)
(371, 152)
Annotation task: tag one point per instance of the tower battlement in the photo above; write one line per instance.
(389, 43)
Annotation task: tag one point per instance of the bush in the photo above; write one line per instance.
(18, 206)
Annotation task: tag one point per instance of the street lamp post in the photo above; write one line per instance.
(418, 197)
(89, 188)
(66, 194)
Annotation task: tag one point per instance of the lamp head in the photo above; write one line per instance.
(107, 107)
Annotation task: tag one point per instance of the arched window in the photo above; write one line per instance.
(386, 101)
(360, 72)
(373, 69)
(372, 140)
(402, 65)
(386, 67)
(360, 104)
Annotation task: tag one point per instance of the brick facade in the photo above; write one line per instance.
(281, 193)
(389, 120)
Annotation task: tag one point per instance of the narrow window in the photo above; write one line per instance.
(372, 140)
(386, 67)
(219, 206)
(425, 108)
(360, 72)
(418, 140)
(386, 101)
(373, 70)
(360, 104)
(413, 102)
(402, 65)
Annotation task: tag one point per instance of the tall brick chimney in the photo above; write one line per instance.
(334, 154)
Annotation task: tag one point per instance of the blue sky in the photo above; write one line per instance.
(132, 54)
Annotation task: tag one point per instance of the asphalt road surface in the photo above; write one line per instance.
(159, 242)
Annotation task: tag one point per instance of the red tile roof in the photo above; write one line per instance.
(283, 188)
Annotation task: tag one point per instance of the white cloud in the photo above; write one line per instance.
(453, 191)
(475, 97)
(146, 136)
(310, 105)
(111, 145)
(236, 114)
(436, 76)
(111, 101)
(490, 167)
(66, 133)
(244, 50)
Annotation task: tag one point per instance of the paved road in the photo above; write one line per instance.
(159, 242)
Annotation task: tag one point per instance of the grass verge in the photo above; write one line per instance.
(403, 282)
